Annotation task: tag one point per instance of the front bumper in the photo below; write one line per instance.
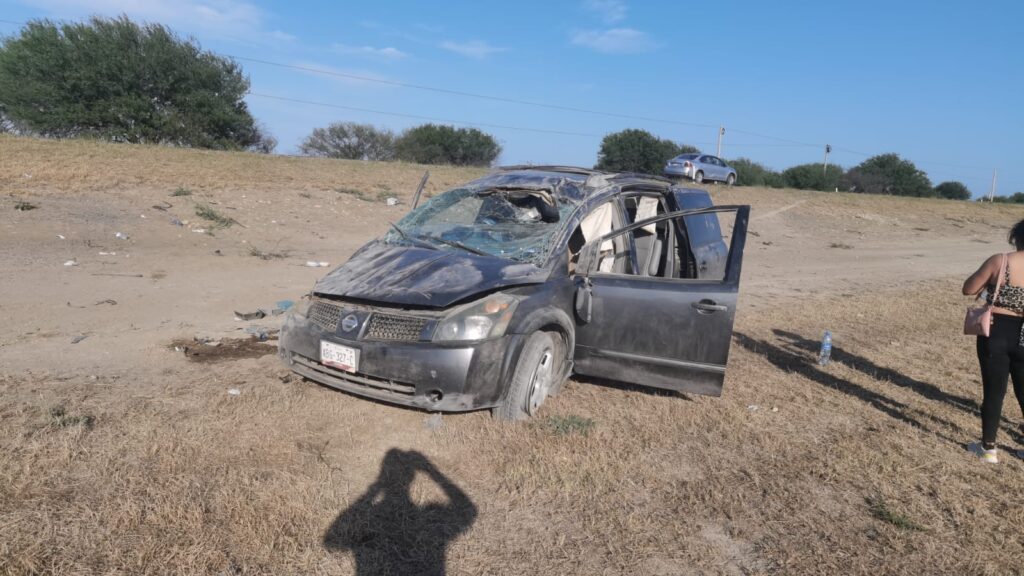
(438, 377)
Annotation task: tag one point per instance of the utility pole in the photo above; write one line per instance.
(824, 168)
(721, 132)
(992, 191)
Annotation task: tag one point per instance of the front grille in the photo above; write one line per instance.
(391, 327)
(325, 315)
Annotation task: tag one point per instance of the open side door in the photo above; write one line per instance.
(660, 328)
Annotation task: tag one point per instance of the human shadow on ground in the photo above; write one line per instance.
(869, 368)
(797, 361)
(388, 533)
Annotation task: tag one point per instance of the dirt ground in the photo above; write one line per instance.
(127, 445)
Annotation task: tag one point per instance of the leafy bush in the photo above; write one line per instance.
(351, 141)
(634, 150)
(813, 177)
(439, 144)
(953, 190)
(888, 174)
(750, 173)
(116, 80)
(1015, 198)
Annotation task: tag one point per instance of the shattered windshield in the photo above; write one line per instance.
(507, 222)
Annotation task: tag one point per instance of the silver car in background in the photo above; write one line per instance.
(700, 167)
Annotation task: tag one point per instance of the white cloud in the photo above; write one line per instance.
(386, 53)
(614, 40)
(232, 19)
(477, 49)
(610, 11)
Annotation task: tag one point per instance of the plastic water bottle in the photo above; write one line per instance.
(826, 349)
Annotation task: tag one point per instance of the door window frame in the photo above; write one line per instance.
(589, 254)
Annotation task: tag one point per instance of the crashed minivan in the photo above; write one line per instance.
(492, 294)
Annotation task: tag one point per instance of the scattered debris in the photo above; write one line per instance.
(177, 222)
(753, 407)
(203, 340)
(120, 235)
(23, 206)
(199, 230)
(285, 378)
(227, 349)
(79, 338)
(72, 262)
(284, 305)
(217, 252)
(163, 206)
(61, 236)
(70, 305)
(250, 315)
(315, 264)
(392, 201)
(234, 392)
(840, 245)
(110, 301)
(261, 333)
(108, 253)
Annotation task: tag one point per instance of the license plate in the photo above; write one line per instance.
(337, 356)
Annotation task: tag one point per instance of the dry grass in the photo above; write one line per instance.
(152, 467)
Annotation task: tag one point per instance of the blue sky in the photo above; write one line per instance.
(937, 82)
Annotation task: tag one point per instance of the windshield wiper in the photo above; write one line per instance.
(456, 244)
(416, 241)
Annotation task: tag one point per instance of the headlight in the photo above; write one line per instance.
(487, 318)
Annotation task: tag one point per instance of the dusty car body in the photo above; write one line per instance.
(490, 295)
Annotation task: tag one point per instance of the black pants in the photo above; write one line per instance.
(1000, 356)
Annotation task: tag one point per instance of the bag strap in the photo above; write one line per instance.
(999, 279)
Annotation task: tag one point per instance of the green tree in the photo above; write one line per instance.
(634, 150)
(750, 173)
(116, 80)
(888, 174)
(1015, 198)
(953, 190)
(438, 144)
(351, 141)
(813, 177)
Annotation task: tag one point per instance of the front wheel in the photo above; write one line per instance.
(533, 379)
(698, 177)
(730, 180)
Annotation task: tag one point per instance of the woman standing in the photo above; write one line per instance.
(1001, 353)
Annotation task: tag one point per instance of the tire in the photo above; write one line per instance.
(532, 379)
(730, 180)
(699, 177)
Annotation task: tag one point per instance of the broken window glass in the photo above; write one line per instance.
(513, 223)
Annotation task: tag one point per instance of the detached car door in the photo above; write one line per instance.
(667, 329)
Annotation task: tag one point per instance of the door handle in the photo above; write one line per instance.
(709, 306)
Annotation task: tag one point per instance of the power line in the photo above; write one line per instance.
(467, 94)
(428, 118)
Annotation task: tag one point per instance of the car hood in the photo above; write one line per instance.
(422, 277)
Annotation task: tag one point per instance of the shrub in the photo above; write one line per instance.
(953, 190)
(813, 177)
(350, 141)
(116, 80)
(635, 150)
(439, 144)
(888, 174)
(750, 173)
(1015, 198)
